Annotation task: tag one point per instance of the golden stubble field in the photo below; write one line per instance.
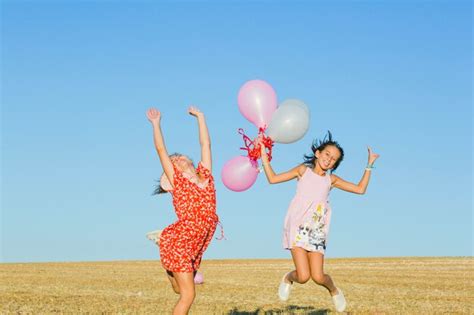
(372, 286)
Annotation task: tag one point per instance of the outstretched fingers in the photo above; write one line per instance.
(153, 114)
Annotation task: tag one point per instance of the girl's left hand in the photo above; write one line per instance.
(372, 156)
(195, 111)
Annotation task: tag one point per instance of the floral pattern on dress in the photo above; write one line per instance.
(183, 243)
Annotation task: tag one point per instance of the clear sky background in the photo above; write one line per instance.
(78, 162)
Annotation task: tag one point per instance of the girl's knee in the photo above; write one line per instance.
(302, 277)
(188, 295)
(176, 290)
(319, 278)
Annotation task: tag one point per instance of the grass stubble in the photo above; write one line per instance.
(431, 285)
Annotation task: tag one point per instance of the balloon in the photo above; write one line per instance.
(257, 101)
(289, 122)
(239, 173)
(295, 102)
(198, 278)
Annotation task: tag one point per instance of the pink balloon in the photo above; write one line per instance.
(257, 101)
(198, 278)
(239, 173)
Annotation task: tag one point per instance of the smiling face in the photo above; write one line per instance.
(328, 157)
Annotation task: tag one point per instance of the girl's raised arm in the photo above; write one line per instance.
(204, 139)
(154, 117)
(273, 178)
(364, 182)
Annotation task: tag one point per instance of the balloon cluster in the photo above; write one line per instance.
(285, 123)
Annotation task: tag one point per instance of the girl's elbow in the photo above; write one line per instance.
(271, 181)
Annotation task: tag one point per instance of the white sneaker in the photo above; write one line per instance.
(339, 301)
(284, 288)
(154, 236)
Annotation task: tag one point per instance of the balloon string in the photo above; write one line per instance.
(253, 151)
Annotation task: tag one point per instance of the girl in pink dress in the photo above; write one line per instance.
(307, 221)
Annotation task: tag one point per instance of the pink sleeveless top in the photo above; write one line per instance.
(309, 215)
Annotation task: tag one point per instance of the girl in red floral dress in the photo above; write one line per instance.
(183, 243)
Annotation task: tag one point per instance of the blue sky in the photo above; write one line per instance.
(78, 162)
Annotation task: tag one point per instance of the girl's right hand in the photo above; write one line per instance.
(263, 151)
(153, 115)
(192, 110)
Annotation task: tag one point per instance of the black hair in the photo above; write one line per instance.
(158, 189)
(319, 145)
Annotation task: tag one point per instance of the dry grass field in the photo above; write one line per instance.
(372, 286)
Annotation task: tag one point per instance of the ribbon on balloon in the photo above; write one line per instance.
(253, 148)
(286, 123)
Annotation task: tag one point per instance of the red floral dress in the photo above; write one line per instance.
(183, 243)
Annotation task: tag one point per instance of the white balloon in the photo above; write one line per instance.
(295, 102)
(289, 122)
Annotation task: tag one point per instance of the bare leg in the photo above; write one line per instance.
(316, 261)
(185, 281)
(302, 272)
(174, 284)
